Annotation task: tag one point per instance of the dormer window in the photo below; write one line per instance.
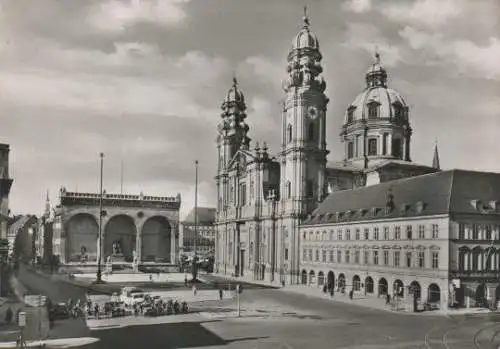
(398, 111)
(350, 113)
(373, 110)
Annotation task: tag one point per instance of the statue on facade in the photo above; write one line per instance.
(117, 247)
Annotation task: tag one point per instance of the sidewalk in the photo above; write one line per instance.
(54, 343)
(372, 302)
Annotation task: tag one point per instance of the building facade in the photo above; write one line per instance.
(136, 228)
(263, 198)
(433, 237)
(44, 235)
(203, 237)
(5, 185)
(21, 236)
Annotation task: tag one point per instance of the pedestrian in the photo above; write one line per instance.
(194, 290)
(185, 280)
(331, 291)
(8, 315)
(351, 294)
(96, 310)
(221, 293)
(150, 277)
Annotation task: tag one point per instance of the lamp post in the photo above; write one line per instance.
(194, 269)
(99, 238)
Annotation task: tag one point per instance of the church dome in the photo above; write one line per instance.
(377, 101)
(305, 38)
(235, 94)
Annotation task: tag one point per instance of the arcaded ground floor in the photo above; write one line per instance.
(438, 292)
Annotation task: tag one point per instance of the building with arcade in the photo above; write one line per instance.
(432, 237)
(138, 229)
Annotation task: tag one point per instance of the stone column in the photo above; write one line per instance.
(138, 244)
(389, 144)
(173, 243)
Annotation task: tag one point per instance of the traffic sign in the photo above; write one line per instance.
(21, 320)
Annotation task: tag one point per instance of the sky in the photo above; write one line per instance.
(143, 81)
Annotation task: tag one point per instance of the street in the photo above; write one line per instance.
(272, 318)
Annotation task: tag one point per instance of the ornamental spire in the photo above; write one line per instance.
(435, 160)
(305, 18)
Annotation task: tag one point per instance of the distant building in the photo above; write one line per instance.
(434, 237)
(5, 185)
(21, 236)
(205, 231)
(44, 234)
(133, 226)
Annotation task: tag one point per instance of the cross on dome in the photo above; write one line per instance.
(305, 18)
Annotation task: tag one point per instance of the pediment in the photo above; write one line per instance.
(242, 158)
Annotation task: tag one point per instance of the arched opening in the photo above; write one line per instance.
(398, 288)
(382, 287)
(304, 277)
(497, 294)
(119, 238)
(481, 292)
(321, 278)
(434, 293)
(476, 253)
(415, 290)
(330, 279)
(369, 284)
(156, 240)
(311, 277)
(82, 233)
(341, 281)
(489, 256)
(356, 283)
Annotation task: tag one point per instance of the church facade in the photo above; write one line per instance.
(264, 197)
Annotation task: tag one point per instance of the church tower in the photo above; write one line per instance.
(303, 147)
(232, 136)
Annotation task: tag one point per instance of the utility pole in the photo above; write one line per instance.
(195, 258)
(99, 238)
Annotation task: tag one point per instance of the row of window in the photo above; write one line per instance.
(478, 231)
(412, 259)
(397, 146)
(374, 111)
(311, 134)
(375, 234)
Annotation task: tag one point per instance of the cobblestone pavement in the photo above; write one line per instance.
(270, 318)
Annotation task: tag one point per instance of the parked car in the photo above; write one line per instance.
(59, 311)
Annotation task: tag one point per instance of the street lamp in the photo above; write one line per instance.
(195, 258)
(99, 238)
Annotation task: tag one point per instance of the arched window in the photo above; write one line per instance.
(372, 111)
(398, 111)
(350, 113)
(289, 133)
(350, 150)
(372, 146)
(288, 190)
(311, 132)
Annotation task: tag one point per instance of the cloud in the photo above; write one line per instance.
(432, 13)
(118, 15)
(264, 69)
(463, 56)
(368, 38)
(357, 6)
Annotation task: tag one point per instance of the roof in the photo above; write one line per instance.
(20, 223)
(206, 216)
(453, 191)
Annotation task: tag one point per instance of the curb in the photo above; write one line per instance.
(73, 283)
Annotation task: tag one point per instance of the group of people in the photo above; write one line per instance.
(157, 306)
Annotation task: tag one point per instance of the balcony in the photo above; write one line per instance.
(475, 274)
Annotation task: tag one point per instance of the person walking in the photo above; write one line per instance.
(221, 293)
